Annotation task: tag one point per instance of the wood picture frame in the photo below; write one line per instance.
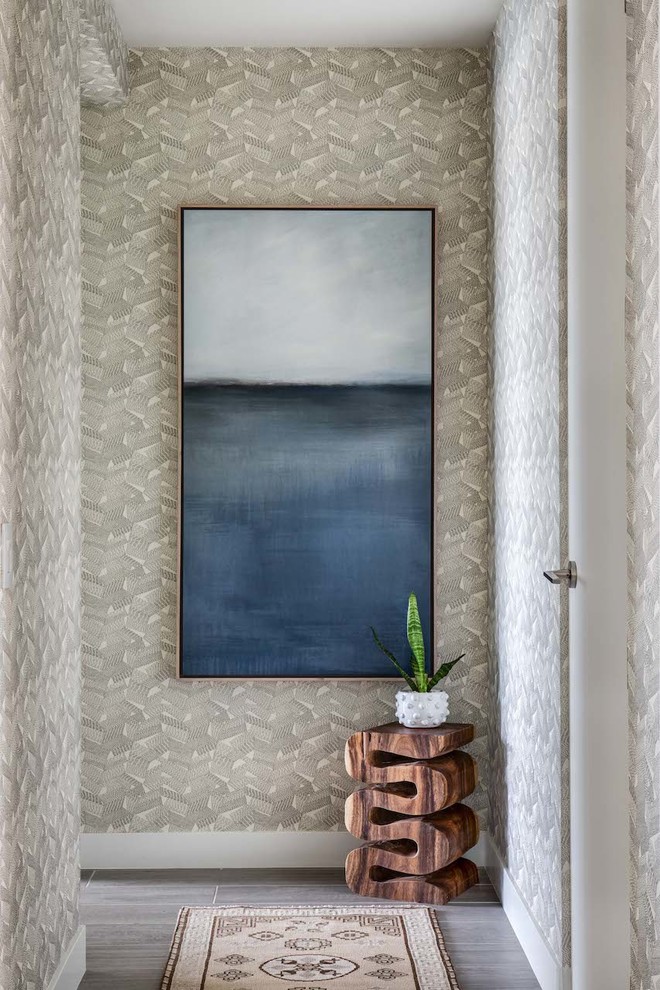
(183, 668)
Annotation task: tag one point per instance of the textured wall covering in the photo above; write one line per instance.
(284, 126)
(529, 792)
(643, 394)
(39, 486)
(103, 55)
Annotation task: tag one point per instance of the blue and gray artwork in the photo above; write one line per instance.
(307, 432)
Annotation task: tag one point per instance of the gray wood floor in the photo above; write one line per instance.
(130, 916)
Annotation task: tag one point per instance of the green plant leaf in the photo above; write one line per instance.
(420, 675)
(416, 640)
(415, 634)
(390, 656)
(443, 671)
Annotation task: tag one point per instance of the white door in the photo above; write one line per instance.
(597, 494)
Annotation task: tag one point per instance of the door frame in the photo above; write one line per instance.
(596, 211)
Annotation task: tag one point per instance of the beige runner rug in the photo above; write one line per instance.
(308, 948)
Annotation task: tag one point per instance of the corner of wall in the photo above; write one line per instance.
(73, 964)
(103, 55)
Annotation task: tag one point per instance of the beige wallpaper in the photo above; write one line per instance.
(246, 126)
(103, 55)
(643, 394)
(39, 487)
(528, 629)
(40, 359)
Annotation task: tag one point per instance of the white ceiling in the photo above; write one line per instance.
(307, 23)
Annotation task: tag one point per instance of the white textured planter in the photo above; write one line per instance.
(417, 710)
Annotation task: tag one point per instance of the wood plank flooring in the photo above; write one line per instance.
(130, 917)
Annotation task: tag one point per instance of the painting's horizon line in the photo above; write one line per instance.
(238, 383)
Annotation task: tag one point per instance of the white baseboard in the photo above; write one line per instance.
(548, 970)
(72, 965)
(212, 850)
(217, 850)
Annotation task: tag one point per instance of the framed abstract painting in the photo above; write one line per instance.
(306, 407)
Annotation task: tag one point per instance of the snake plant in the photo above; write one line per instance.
(418, 679)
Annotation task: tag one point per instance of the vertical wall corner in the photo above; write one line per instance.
(103, 55)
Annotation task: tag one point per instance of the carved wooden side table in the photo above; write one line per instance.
(409, 813)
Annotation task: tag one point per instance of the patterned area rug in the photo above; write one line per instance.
(308, 948)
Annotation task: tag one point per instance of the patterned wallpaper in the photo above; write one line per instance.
(529, 737)
(39, 486)
(103, 55)
(643, 392)
(257, 126)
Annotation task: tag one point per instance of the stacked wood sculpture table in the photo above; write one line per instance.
(410, 813)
